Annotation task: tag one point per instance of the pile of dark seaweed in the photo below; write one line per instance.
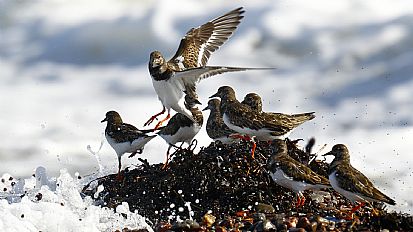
(223, 188)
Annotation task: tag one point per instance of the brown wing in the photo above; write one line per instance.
(299, 171)
(126, 133)
(352, 180)
(243, 116)
(216, 127)
(177, 121)
(198, 44)
(286, 122)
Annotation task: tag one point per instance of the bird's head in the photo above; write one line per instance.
(213, 104)
(112, 117)
(225, 93)
(254, 101)
(156, 59)
(338, 151)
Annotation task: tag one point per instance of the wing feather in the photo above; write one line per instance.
(353, 180)
(197, 45)
(190, 77)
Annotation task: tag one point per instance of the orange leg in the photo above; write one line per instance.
(302, 201)
(162, 121)
(254, 146)
(165, 165)
(353, 210)
(154, 117)
(357, 207)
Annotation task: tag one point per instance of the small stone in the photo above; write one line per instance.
(220, 229)
(292, 222)
(304, 223)
(264, 208)
(208, 219)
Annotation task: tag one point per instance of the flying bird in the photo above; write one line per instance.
(172, 79)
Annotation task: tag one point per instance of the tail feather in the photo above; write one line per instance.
(299, 119)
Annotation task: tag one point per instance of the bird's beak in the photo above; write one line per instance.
(156, 62)
(104, 120)
(215, 95)
(206, 108)
(196, 101)
(328, 153)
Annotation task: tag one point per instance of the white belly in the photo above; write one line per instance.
(184, 134)
(127, 147)
(347, 194)
(262, 134)
(170, 93)
(282, 179)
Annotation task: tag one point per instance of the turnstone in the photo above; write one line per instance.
(350, 182)
(264, 126)
(123, 137)
(188, 66)
(215, 127)
(292, 174)
(288, 121)
(180, 128)
(254, 101)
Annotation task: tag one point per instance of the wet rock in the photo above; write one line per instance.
(220, 187)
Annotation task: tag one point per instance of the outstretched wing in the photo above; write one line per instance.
(190, 77)
(198, 43)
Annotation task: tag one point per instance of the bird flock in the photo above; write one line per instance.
(230, 120)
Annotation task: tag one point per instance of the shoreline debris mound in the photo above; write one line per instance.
(223, 187)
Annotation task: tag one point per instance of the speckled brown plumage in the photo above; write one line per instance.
(243, 116)
(289, 121)
(197, 45)
(179, 120)
(123, 137)
(254, 101)
(215, 127)
(350, 179)
(294, 169)
(122, 132)
(188, 66)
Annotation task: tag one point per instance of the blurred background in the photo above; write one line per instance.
(63, 64)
